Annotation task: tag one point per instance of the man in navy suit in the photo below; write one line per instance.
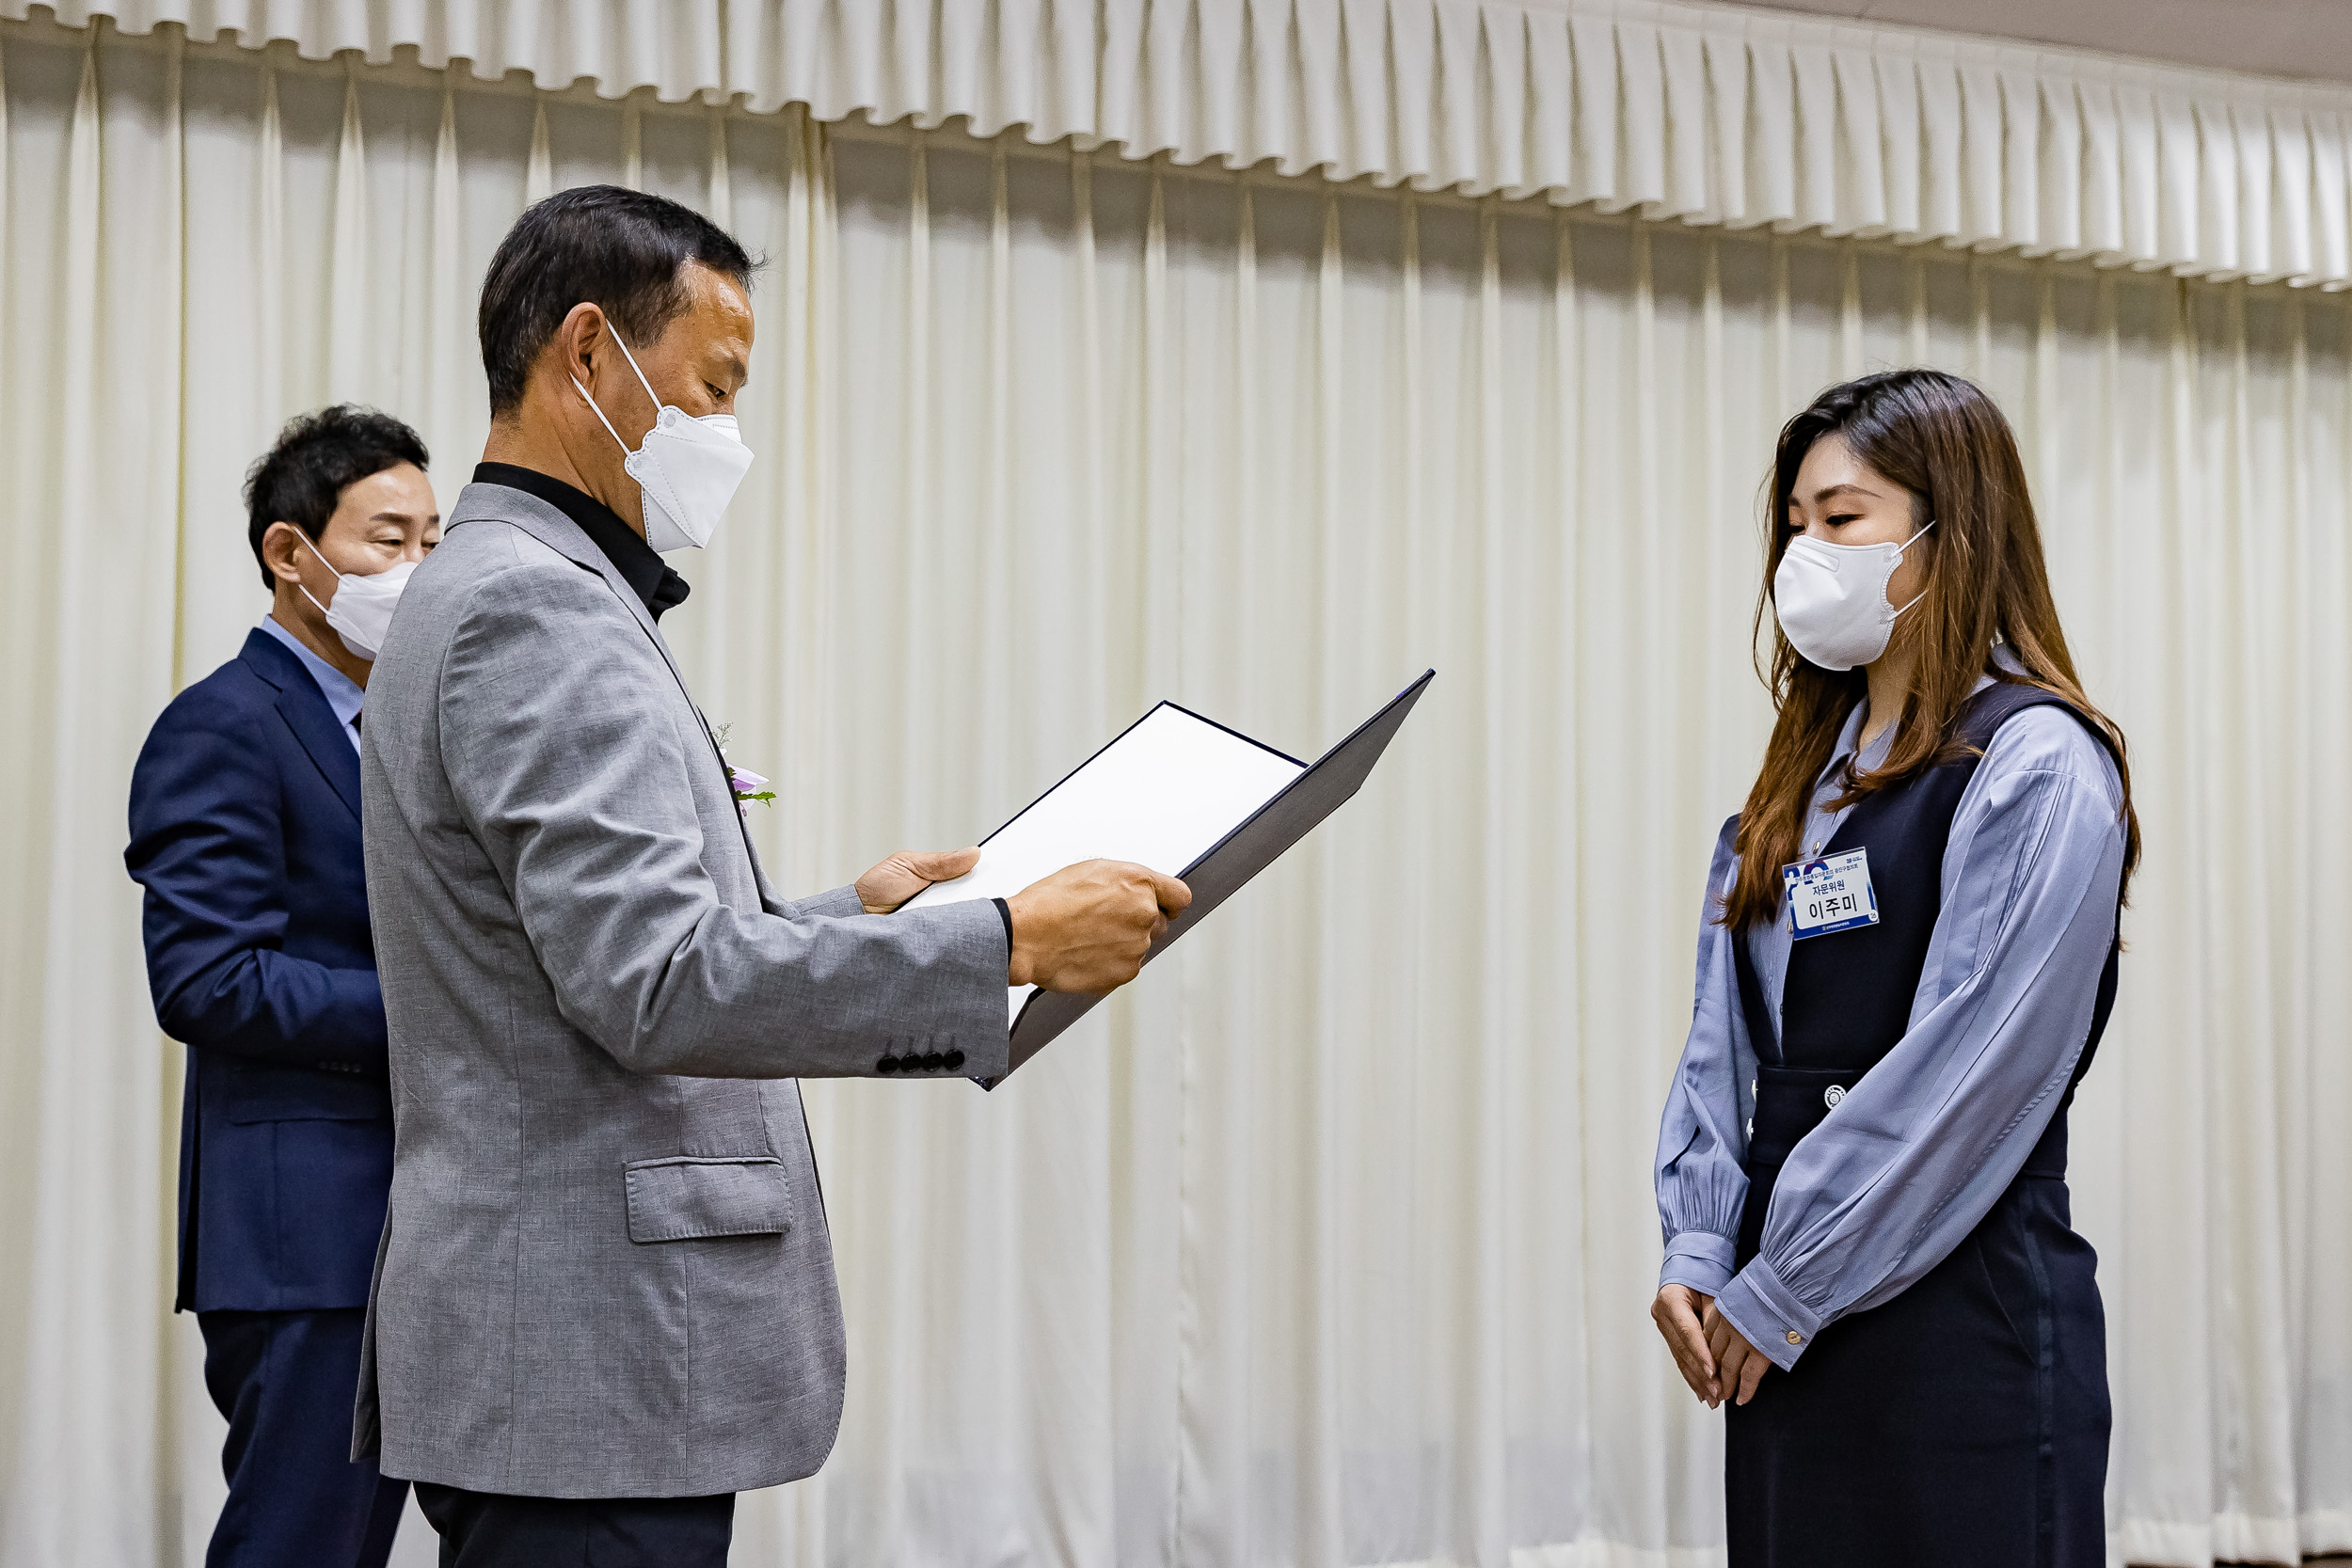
(245, 832)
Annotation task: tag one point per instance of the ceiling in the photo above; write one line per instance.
(2307, 39)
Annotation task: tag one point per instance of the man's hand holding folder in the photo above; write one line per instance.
(1086, 928)
(1079, 931)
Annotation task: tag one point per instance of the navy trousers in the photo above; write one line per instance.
(490, 1530)
(285, 1380)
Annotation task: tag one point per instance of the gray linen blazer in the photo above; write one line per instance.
(605, 1271)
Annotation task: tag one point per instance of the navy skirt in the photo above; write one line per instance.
(1963, 1424)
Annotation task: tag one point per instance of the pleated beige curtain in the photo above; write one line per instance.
(1329, 1243)
(1722, 114)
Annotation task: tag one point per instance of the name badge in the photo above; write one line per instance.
(1832, 895)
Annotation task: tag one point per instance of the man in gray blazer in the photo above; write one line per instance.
(604, 1300)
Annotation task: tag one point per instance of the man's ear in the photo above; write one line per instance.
(581, 331)
(279, 551)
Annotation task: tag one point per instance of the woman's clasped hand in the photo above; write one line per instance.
(1711, 1354)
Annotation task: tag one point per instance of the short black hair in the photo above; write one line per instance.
(621, 251)
(317, 458)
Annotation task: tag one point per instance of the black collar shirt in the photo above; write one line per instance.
(637, 561)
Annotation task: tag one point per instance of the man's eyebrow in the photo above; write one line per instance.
(401, 516)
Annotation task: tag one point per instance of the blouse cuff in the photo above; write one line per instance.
(1768, 1315)
(1699, 1259)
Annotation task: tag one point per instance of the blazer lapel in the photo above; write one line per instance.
(303, 706)
(548, 524)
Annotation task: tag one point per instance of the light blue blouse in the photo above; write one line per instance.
(1918, 1151)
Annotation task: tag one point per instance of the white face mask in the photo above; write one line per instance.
(687, 469)
(360, 609)
(1832, 599)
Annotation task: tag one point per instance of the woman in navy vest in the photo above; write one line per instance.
(1906, 957)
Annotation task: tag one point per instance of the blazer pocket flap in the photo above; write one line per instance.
(679, 1197)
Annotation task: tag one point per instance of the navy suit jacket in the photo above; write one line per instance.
(245, 832)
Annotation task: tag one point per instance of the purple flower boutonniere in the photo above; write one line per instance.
(748, 786)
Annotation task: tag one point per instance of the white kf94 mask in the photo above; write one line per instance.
(360, 611)
(687, 469)
(1832, 599)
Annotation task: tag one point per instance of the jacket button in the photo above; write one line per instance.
(955, 1060)
(1831, 1096)
(1795, 1338)
(932, 1061)
(888, 1064)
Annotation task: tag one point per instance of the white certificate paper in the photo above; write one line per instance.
(1162, 795)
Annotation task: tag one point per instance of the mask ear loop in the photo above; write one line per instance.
(600, 419)
(650, 393)
(322, 561)
(1899, 550)
(640, 381)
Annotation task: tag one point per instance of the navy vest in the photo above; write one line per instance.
(1847, 1000)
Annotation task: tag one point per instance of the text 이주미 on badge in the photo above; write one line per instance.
(1828, 894)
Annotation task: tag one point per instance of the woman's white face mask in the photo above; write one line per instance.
(687, 469)
(1832, 599)
(360, 609)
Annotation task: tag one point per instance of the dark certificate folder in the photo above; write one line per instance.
(1257, 842)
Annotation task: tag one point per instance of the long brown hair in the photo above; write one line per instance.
(1941, 438)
